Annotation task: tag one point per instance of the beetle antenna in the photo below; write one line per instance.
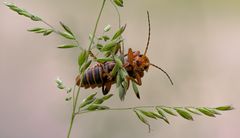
(163, 72)
(149, 33)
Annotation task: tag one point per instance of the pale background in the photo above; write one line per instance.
(196, 41)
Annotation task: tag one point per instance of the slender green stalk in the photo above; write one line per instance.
(71, 125)
(54, 30)
(118, 13)
(73, 94)
(75, 101)
(73, 112)
(118, 109)
(119, 24)
(78, 91)
(95, 28)
(152, 107)
(59, 33)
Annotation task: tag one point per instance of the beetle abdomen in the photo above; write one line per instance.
(96, 76)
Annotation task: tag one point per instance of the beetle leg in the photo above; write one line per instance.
(128, 81)
(130, 56)
(78, 80)
(138, 80)
(106, 88)
(108, 75)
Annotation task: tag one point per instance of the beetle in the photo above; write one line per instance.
(135, 63)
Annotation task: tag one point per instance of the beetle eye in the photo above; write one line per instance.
(145, 67)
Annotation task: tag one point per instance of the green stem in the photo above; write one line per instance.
(70, 127)
(95, 28)
(119, 25)
(73, 95)
(73, 112)
(59, 33)
(118, 13)
(78, 91)
(130, 108)
(54, 30)
(117, 109)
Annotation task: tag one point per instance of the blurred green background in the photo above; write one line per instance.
(196, 41)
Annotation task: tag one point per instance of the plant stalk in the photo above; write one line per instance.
(73, 112)
(132, 108)
(78, 91)
(95, 28)
(70, 127)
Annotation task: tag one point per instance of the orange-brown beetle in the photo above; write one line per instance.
(134, 63)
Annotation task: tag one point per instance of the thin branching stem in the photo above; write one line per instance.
(96, 25)
(119, 24)
(78, 91)
(71, 125)
(59, 33)
(73, 94)
(73, 111)
(54, 30)
(118, 13)
(119, 109)
(133, 108)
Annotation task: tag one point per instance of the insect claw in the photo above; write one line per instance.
(138, 96)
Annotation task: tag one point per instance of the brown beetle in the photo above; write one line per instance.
(135, 64)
